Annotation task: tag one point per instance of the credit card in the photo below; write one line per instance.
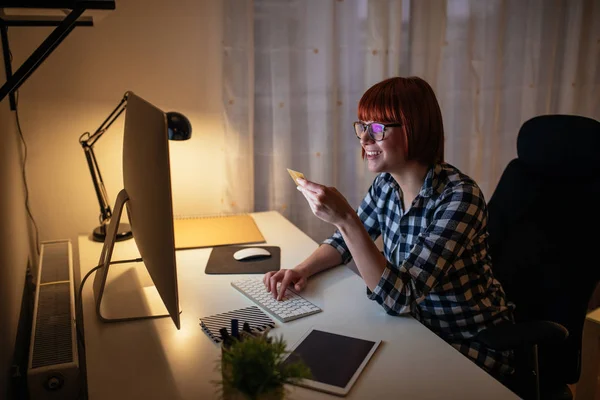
(295, 175)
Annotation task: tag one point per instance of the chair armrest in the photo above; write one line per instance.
(513, 336)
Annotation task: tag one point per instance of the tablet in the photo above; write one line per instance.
(335, 360)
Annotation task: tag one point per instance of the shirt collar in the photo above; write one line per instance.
(432, 181)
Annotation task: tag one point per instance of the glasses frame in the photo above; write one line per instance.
(369, 130)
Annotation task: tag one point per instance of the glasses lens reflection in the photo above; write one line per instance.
(359, 129)
(375, 130)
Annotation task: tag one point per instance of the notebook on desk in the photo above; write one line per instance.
(211, 231)
(258, 321)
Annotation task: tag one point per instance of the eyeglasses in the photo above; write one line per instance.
(376, 130)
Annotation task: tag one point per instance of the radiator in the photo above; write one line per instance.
(53, 368)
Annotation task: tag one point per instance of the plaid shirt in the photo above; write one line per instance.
(438, 265)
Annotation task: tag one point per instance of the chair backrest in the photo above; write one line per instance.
(544, 226)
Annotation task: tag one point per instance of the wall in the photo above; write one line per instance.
(168, 53)
(14, 237)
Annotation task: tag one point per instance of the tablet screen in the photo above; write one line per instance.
(333, 359)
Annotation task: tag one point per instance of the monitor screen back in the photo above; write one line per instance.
(147, 180)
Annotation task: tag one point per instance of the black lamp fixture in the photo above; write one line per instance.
(179, 128)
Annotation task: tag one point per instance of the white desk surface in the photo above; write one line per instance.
(590, 357)
(151, 359)
(594, 316)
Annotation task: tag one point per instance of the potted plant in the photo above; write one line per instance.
(253, 368)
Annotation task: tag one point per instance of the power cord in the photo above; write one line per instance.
(37, 232)
(79, 303)
(79, 299)
(82, 395)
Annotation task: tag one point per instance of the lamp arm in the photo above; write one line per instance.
(87, 142)
(91, 139)
(105, 210)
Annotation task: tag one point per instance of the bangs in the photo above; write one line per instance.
(380, 103)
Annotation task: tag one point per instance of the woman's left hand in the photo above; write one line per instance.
(326, 202)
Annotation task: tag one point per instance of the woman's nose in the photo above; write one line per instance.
(366, 138)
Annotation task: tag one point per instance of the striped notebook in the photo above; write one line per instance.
(258, 321)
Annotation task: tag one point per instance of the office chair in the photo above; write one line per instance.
(544, 223)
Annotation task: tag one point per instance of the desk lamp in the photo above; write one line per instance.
(179, 128)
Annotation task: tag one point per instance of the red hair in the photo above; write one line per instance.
(412, 102)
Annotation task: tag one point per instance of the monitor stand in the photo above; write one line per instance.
(128, 299)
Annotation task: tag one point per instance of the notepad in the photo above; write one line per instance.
(258, 321)
(196, 232)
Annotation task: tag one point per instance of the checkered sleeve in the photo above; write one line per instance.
(457, 219)
(367, 212)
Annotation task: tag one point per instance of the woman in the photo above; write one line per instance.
(435, 263)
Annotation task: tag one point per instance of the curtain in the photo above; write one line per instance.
(294, 71)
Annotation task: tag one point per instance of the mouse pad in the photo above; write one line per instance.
(221, 261)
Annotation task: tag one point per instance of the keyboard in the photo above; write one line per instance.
(292, 306)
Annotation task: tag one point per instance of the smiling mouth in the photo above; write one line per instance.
(372, 154)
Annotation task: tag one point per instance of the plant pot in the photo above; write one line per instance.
(255, 363)
(231, 393)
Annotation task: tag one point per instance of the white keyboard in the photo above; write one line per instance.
(292, 306)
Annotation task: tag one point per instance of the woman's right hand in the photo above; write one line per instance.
(287, 277)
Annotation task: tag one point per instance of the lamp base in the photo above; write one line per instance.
(123, 233)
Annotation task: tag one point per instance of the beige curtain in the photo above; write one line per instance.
(294, 72)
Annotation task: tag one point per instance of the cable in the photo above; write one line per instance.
(79, 299)
(37, 232)
(80, 337)
(37, 235)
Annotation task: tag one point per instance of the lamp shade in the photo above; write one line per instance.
(179, 126)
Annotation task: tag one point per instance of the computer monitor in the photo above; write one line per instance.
(147, 196)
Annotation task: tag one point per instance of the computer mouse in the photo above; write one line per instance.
(251, 253)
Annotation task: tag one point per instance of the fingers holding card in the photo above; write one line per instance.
(296, 175)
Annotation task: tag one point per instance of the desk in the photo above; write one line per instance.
(151, 359)
(590, 351)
